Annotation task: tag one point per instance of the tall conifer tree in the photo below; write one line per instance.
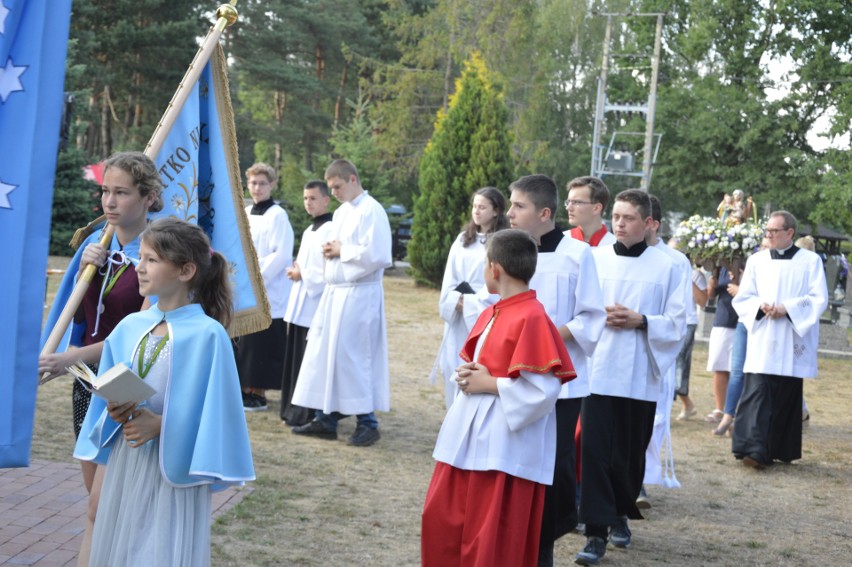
(469, 150)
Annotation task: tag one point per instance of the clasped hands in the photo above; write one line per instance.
(621, 317)
(140, 424)
(474, 378)
(774, 311)
(331, 249)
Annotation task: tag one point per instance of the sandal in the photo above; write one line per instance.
(725, 426)
(685, 414)
(714, 416)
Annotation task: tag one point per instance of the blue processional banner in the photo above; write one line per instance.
(33, 41)
(199, 165)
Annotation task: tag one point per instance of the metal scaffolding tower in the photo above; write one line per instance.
(610, 159)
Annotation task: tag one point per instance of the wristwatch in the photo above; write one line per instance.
(644, 324)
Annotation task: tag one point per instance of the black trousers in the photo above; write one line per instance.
(560, 499)
(616, 432)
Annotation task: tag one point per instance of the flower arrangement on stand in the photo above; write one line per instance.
(708, 241)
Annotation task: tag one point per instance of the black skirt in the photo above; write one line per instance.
(297, 340)
(260, 357)
(769, 419)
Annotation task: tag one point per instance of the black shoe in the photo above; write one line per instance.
(754, 461)
(254, 402)
(619, 534)
(593, 552)
(364, 436)
(316, 429)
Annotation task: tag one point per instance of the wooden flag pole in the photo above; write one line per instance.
(226, 15)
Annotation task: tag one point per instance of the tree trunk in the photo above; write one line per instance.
(106, 132)
(338, 105)
(280, 101)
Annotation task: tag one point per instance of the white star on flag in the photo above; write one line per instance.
(10, 79)
(4, 11)
(5, 189)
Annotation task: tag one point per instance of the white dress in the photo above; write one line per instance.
(142, 520)
(464, 264)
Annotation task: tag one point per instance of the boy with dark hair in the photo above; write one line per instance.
(566, 283)
(306, 273)
(497, 445)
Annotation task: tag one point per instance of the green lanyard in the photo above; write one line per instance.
(114, 279)
(144, 367)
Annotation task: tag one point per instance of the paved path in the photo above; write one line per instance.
(43, 513)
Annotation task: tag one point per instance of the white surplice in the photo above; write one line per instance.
(306, 292)
(273, 240)
(566, 283)
(345, 367)
(514, 432)
(630, 363)
(786, 346)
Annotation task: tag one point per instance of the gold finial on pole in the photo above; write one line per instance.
(229, 12)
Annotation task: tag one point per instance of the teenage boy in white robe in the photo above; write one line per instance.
(781, 297)
(566, 283)
(307, 275)
(345, 368)
(644, 305)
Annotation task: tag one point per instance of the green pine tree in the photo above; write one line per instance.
(469, 149)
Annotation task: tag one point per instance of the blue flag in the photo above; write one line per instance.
(199, 165)
(33, 40)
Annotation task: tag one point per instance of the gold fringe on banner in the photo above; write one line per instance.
(257, 318)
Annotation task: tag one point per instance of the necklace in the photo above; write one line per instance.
(145, 367)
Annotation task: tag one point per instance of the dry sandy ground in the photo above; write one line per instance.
(324, 503)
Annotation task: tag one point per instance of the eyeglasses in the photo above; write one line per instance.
(575, 203)
(774, 231)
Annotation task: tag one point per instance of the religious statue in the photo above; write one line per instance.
(741, 208)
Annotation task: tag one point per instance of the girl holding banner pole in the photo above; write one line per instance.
(131, 189)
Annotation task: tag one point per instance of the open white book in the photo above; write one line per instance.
(119, 384)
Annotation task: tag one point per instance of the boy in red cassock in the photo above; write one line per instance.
(497, 445)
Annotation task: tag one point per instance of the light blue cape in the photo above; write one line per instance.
(204, 437)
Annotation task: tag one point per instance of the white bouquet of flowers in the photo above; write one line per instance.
(707, 240)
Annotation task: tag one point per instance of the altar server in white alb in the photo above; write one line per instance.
(644, 302)
(781, 298)
(345, 368)
(566, 283)
(659, 459)
(459, 305)
(260, 356)
(307, 275)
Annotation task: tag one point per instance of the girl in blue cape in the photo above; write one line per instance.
(166, 455)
